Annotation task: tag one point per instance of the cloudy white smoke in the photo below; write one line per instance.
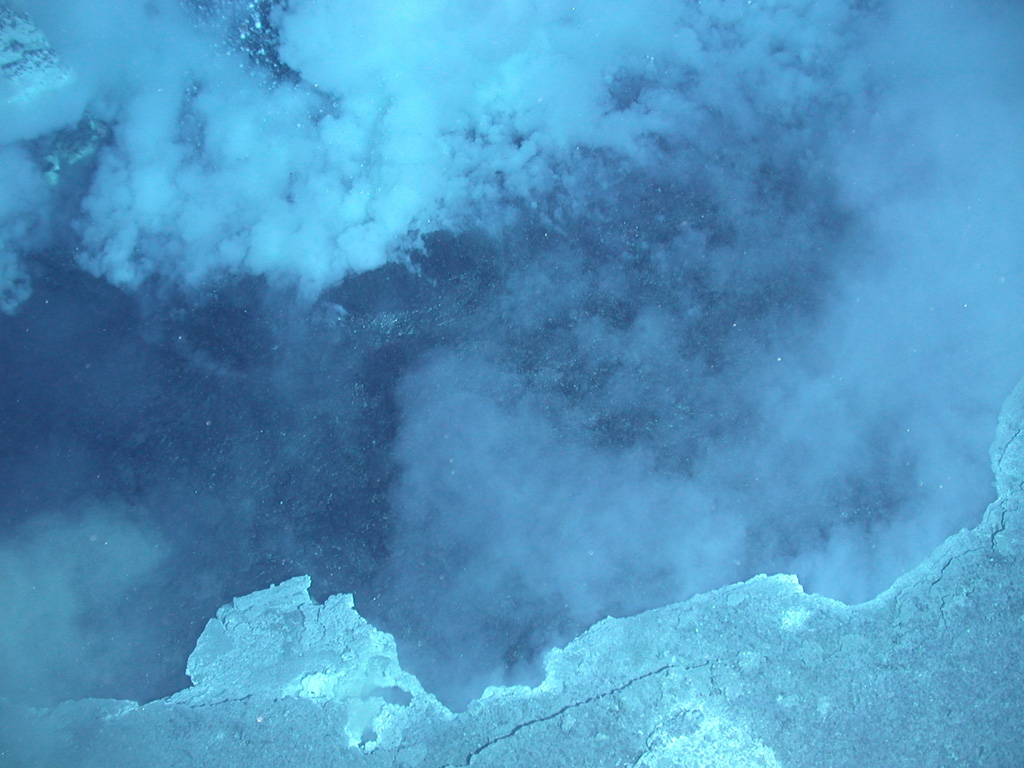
(405, 118)
(756, 292)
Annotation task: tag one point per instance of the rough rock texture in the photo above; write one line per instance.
(929, 673)
(28, 66)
